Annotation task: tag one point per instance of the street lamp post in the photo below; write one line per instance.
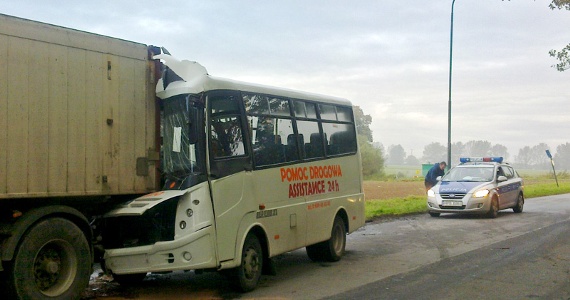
(449, 102)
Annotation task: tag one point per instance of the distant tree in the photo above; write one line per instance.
(562, 156)
(533, 157)
(523, 159)
(363, 122)
(372, 160)
(539, 159)
(379, 146)
(396, 155)
(457, 150)
(412, 161)
(434, 152)
(477, 148)
(563, 56)
(499, 150)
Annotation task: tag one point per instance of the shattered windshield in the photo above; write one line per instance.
(470, 174)
(179, 154)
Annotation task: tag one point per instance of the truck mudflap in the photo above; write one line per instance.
(142, 204)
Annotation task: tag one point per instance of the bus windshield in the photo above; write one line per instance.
(179, 145)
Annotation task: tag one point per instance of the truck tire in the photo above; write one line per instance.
(52, 261)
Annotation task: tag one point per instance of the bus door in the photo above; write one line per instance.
(229, 168)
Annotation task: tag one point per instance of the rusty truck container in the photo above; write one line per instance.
(77, 113)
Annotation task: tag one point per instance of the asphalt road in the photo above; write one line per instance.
(514, 256)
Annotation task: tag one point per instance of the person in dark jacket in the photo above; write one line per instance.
(433, 173)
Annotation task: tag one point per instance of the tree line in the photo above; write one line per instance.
(528, 157)
(375, 157)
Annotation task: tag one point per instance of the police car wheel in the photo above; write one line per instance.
(520, 204)
(493, 209)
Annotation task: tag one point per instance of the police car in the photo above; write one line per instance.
(479, 185)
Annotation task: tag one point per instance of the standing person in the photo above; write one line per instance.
(433, 173)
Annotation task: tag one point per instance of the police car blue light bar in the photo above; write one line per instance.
(497, 159)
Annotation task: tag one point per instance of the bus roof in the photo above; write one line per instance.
(196, 80)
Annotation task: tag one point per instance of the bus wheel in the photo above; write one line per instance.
(53, 261)
(315, 252)
(337, 242)
(332, 249)
(249, 272)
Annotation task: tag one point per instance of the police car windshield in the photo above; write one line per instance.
(480, 173)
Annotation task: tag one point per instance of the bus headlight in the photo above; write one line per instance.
(481, 194)
(430, 193)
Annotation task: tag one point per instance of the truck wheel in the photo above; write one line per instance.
(249, 272)
(53, 261)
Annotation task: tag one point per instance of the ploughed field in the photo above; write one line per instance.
(380, 190)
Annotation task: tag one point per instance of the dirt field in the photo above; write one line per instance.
(379, 190)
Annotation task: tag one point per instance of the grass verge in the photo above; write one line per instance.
(417, 204)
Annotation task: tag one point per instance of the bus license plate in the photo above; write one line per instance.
(451, 203)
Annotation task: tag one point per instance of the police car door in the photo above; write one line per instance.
(507, 189)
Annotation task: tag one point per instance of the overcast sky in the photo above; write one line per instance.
(390, 57)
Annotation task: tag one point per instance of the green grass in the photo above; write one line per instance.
(546, 189)
(395, 207)
(416, 204)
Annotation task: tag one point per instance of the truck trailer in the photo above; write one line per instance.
(79, 134)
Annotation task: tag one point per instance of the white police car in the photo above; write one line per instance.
(479, 185)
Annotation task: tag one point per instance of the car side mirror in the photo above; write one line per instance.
(501, 178)
(438, 178)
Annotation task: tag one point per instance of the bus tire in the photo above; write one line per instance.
(52, 261)
(332, 249)
(315, 252)
(249, 272)
(337, 242)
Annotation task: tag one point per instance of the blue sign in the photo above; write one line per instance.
(548, 154)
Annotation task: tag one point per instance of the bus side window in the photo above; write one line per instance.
(342, 138)
(315, 146)
(227, 139)
(291, 150)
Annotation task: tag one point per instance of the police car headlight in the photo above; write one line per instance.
(430, 193)
(481, 193)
